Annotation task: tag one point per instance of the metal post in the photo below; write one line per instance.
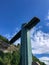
(26, 54)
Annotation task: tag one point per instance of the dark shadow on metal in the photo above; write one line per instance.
(29, 25)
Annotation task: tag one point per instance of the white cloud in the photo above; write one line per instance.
(17, 42)
(40, 42)
(47, 17)
(45, 59)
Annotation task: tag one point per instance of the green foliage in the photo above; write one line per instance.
(14, 58)
(42, 63)
(5, 58)
(9, 58)
(4, 39)
(37, 60)
(1, 54)
(1, 61)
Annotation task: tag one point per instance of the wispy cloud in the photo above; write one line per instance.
(39, 41)
(45, 59)
(47, 16)
(46, 19)
(40, 44)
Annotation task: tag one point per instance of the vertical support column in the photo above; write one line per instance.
(26, 54)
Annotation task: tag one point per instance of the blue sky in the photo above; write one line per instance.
(13, 13)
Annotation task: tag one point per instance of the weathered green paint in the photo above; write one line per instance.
(26, 54)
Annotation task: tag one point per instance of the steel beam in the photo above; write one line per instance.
(26, 51)
(29, 25)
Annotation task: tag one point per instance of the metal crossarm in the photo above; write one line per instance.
(29, 25)
(16, 37)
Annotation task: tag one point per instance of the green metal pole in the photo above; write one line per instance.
(26, 54)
